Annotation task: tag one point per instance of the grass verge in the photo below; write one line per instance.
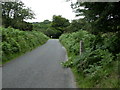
(109, 81)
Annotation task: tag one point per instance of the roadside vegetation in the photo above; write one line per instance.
(17, 35)
(99, 29)
(16, 42)
(98, 65)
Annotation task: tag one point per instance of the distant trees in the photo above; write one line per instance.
(46, 28)
(58, 26)
(52, 28)
(14, 14)
(76, 25)
(42, 26)
(60, 23)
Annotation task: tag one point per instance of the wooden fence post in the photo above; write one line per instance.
(81, 47)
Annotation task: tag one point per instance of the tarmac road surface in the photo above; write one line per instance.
(39, 68)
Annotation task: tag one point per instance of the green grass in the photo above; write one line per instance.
(0, 63)
(14, 56)
(81, 80)
(110, 81)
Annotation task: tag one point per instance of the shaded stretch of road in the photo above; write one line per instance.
(39, 68)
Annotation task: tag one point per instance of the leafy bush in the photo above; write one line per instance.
(72, 41)
(111, 42)
(98, 61)
(15, 42)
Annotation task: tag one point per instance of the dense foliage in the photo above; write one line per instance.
(101, 16)
(75, 25)
(97, 66)
(42, 26)
(99, 60)
(99, 30)
(72, 41)
(52, 28)
(60, 23)
(15, 42)
(46, 28)
(14, 15)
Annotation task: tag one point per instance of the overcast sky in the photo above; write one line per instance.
(45, 9)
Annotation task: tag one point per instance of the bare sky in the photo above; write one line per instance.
(45, 9)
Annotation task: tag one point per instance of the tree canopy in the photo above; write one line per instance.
(102, 16)
(75, 25)
(14, 13)
(47, 29)
(60, 23)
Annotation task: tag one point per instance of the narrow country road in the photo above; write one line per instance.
(39, 68)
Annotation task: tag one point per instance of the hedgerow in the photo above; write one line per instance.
(98, 61)
(15, 42)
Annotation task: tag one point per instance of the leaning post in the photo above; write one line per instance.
(81, 47)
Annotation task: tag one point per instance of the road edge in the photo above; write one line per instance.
(74, 85)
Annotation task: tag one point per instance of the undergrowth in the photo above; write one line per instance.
(97, 66)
